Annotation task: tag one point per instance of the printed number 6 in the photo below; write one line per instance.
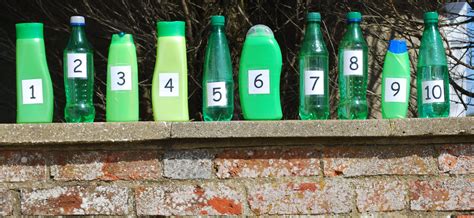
(258, 80)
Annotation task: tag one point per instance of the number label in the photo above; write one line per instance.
(433, 91)
(314, 82)
(395, 90)
(121, 78)
(259, 82)
(216, 94)
(353, 63)
(169, 84)
(32, 91)
(77, 65)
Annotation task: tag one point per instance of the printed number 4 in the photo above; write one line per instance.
(169, 84)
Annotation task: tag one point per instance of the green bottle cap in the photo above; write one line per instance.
(29, 30)
(354, 16)
(431, 17)
(217, 20)
(313, 16)
(170, 28)
(122, 38)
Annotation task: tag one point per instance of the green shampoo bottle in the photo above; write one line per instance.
(259, 75)
(33, 82)
(122, 80)
(170, 78)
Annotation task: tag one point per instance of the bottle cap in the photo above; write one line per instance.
(397, 46)
(29, 30)
(313, 16)
(431, 17)
(260, 30)
(217, 20)
(170, 28)
(78, 21)
(122, 37)
(354, 16)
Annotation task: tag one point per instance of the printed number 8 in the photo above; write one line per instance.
(353, 61)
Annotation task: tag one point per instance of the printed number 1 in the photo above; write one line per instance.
(32, 92)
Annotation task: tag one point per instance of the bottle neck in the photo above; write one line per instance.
(218, 28)
(313, 30)
(78, 34)
(355, 30)
(431, 26)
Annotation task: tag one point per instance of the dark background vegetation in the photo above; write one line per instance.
(382, 20)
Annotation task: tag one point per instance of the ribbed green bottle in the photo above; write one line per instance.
(314, 65)
(432, 72)
(217, 83)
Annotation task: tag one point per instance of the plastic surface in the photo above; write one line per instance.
(122, 80)
(396, 81)
(259, 75)
(170, 79)
(353, 84)
(32, 76)
(430, 17)
(314, 78)
(313, 16)
(217, 20)
(170, 28)
(79, 77)
(354, 16)
(217, 83)
(432, 74)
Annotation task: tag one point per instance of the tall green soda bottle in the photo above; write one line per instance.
(170, 78)
(33, 82)
(79, 75)
(314, 65)
(217, 84)
(122, 80)
(353, 55)
(396, 81)
(259, 75)
(432, 72)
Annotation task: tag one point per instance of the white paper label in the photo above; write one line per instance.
(314, 82)
(216, 94)
(259, 81)
(32, 91)
(353, 63)
(395, 90)
(169, 84)
(121, 78)
(433, 91)
(77, 65)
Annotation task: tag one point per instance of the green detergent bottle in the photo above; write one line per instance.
(259, 75)
(432, 79)
(33, 82)
(122, 80)
(170, 78)
(396, 81)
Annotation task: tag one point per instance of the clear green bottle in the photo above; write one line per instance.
(353, 55)
(122, 80)
(79, 75)
(33, 82)
(432, 72)
(217, 83)
(314, 62)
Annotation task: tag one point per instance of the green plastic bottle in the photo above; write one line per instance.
(33, 82)
(432, 77)
(170, 78)
(259, 75)
(314, 65)
(353, 56)
(396, 81)
(122, 80)
(217, 83)
(79, 75)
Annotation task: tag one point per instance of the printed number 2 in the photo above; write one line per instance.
(169, 84)
(77, 65)
(121, 78)
(352, 62)
(314, 82)
(32, 91)
(216, 94)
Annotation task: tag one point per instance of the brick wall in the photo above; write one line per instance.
(281, 172)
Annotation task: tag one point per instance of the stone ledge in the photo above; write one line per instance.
(63, 133)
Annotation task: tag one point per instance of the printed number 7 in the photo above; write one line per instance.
(316, 78)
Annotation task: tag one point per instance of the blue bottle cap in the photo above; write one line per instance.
(397, 46)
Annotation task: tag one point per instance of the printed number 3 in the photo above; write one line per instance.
(121, 77)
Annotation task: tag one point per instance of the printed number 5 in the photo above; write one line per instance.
(215, 91)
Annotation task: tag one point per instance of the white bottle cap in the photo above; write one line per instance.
(78, 20)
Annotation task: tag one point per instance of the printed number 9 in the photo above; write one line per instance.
(396, 88)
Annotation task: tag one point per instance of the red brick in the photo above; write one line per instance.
(106, 165)
(291, 198)
(76, 200)
(456, 159)
(378, 160)
(442, 194)
(6, 202)
(380, 195)
(21, 166)
(267, 163)
(188, 199)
